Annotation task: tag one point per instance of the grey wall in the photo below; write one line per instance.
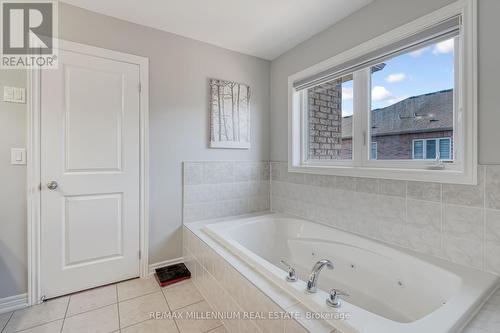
(178, 73)
(13, 190)
(378, 17)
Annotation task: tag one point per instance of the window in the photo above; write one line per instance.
(445, 151)
(432, 149)
(373, 152)
(393, 107)
(328, 108)
(418, 150)
(412, 97)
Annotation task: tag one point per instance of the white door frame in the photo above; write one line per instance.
(34, 160)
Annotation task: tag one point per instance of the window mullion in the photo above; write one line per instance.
(304, 145)
(361, 141)
(424, 149)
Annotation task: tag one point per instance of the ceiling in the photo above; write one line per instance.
(262, 28)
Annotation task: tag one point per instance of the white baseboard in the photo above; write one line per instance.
(12, 303)
(154, 266)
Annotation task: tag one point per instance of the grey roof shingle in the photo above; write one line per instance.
(423, 113)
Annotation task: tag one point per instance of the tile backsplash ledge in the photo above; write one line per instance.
(460, 223)
(225, 188)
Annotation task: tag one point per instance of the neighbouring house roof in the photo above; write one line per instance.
(423, 113)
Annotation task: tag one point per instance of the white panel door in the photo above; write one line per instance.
(90, 172)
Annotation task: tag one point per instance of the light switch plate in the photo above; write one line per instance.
(14, 95)
(18, 156)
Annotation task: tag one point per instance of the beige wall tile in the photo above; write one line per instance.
(492, 225)
(492, 186)
(368, 185)
(345, 183)
(424, 191)
(193, 173)
(320, 180)
(277, 171)
(465, 222)
(218, 172)
(467, 195)
(424, 214)
(463, 251)
(316, 326)
(390, 207)
(492, 257)
(226, 188)
(392, 187)
(424, 239)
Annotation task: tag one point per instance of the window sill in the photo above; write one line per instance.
(447, 176)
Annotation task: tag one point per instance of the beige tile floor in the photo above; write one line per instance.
(123, 307)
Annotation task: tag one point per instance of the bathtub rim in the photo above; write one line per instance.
(312, 302)
(268, 288)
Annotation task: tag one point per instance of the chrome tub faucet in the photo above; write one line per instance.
(313, 277)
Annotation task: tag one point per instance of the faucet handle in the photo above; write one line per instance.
(333, 299)
(291, 276)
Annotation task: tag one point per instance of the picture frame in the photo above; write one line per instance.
(229, 114)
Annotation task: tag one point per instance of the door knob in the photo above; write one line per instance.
(52, 185)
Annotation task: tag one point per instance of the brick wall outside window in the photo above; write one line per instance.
(325, 120)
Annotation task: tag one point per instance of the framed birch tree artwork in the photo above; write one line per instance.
(229, 114)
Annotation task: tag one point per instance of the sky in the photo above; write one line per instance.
(419, 72)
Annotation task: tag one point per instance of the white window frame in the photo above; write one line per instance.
(463, 170)
(424, 147)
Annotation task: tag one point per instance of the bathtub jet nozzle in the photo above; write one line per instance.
(312, 282)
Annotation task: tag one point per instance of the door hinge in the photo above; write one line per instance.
(140, 87)
(139, 255)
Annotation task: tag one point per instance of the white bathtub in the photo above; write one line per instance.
(392, 290)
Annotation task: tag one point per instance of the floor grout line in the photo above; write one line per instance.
(63, 319)
(149, 293)
(10, 317)
(31, 327)
(137, 323)
(67, 307)
(213, 329)
(65, 313)
(86, 311)
(170, 310)
(185, 306)
(118, 307)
